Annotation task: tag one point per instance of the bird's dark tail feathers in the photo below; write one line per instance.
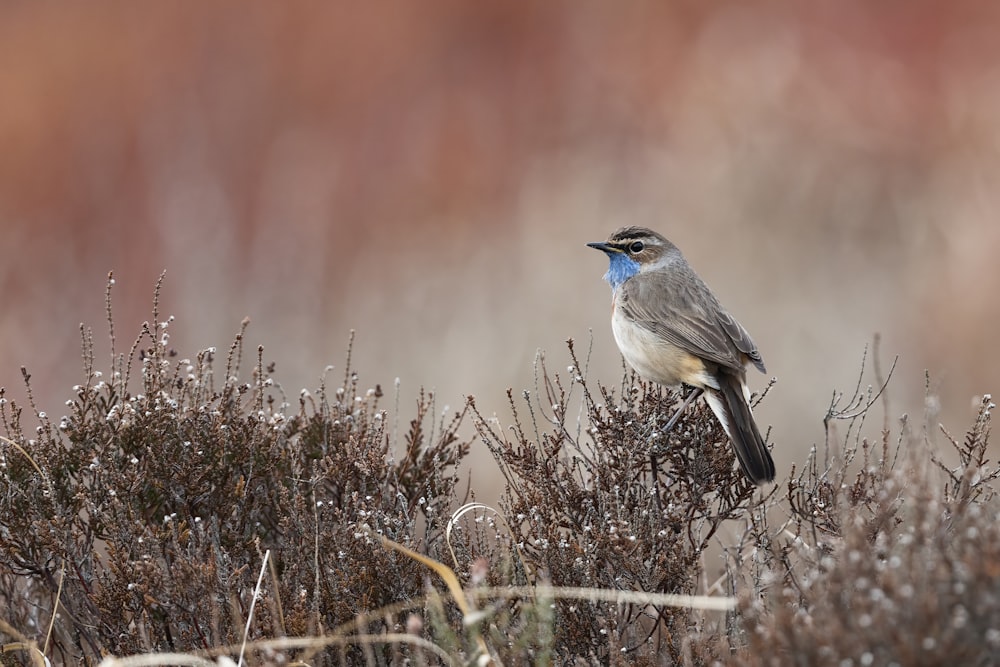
(730, 406)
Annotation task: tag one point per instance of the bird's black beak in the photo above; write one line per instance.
(604, 246)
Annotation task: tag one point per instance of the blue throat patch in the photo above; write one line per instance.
(621, 269)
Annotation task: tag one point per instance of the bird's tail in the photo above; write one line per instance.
(729, 403)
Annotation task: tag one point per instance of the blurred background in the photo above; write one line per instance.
(428, 173)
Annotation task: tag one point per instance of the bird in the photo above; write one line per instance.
(672, 330)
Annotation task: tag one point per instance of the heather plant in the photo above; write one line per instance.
(896, 563)
(143, 514)
(588, 512)
(188, 515)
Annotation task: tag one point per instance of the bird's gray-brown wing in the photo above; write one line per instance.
(679, 307)
(741, 339)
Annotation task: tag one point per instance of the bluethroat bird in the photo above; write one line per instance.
(672, 330)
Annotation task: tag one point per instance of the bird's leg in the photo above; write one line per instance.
(694, 394)
(691, 397)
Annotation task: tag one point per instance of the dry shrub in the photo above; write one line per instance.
(587, 512)
(894, 564)
(149, 511)
(144, 515)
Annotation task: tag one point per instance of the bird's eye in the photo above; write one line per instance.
(636, 247)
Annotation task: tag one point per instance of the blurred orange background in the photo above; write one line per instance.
(428, 173)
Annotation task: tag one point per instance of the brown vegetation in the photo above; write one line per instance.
(184, 512)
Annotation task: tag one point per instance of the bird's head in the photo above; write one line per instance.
(632, 250)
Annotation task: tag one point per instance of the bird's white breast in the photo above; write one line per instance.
(655, 358)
